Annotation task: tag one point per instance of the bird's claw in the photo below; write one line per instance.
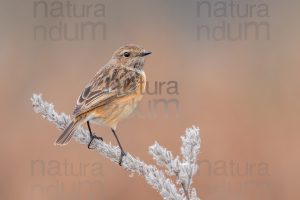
(121, 157)
(93, 136)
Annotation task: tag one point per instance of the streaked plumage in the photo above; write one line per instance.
(113, 93)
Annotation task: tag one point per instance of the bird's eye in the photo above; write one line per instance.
(126, 54)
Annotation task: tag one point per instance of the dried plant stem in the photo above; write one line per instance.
(185, 191)
(154, 177)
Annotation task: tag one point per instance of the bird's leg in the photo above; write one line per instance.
(120, 146)
(92, 136)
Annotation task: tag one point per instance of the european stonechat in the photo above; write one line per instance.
(111, 95)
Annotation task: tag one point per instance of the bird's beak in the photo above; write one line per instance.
(145, 53)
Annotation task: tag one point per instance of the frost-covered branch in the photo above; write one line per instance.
(184, 169)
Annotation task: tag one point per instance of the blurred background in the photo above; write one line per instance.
(229, 67)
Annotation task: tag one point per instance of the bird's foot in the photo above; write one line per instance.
(121, 157)
(93, 136)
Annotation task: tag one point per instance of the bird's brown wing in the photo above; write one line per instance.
(108, 85)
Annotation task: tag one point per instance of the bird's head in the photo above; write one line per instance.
(132, 56)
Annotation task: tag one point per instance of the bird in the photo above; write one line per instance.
(111, 95)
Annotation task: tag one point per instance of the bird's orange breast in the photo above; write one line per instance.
(120, 108)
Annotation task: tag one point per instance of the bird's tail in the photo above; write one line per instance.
(67, 134)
